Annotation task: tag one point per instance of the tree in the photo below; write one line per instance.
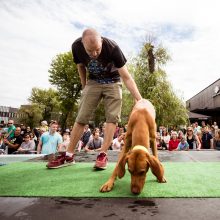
(47, 100)
(127, 104)
(64, 76)
(153, 85)
(32, 115)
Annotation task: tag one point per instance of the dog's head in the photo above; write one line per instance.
(139, 163)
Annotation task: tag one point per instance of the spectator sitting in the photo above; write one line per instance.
(161, 145)
(197, 128)
(85, 137)
(192, 139)
(96, 129)
(44, 125)
(217, 140)
(121, 131)
(2, 151)
(215, 125)
(173, 143)
(11, 129)
(15, 142)
(66, 141)
(165, 136)
(207, 139)
(183, 145)
(41, 131)
(94, 143)
(23, 130)
(180, 135)
(199, 135)
(28, 130)
(36, 136)
(118, 142)
(102, 130)
(116, 131)
(27, 145)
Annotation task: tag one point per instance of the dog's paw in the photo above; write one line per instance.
(107, 187)
(163, 180)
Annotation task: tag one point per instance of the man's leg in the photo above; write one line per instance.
(76, 134)
(112, 97)
(108, 136)
(101, 161)
(67, 158)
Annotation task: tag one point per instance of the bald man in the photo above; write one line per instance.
(105, 64)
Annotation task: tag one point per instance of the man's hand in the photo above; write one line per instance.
(6, 141)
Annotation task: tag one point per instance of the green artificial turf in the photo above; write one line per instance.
(191, 179)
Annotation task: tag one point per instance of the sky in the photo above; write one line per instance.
(33, 32)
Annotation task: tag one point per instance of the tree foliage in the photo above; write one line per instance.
(64, 76)
(32, 115)
(154, 85)
(47, 100)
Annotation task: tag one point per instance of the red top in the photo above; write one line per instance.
(173, 144)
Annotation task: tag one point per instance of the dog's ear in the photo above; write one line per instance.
(156, 168)
(121, 166)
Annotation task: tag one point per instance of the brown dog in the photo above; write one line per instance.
(140, 135)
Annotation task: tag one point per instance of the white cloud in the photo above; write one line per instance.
(33, 32)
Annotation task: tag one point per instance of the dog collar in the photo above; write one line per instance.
(140, 147)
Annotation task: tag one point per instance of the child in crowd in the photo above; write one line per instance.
(183, 145)
(66, 141)
(27, 145)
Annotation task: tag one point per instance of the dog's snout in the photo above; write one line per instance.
(135, 190)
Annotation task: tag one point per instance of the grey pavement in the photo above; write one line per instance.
(117, 208)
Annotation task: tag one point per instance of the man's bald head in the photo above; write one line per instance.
(90, 35)
(92, 42)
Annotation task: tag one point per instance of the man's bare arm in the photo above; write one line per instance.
(129, 82)
(82, 74)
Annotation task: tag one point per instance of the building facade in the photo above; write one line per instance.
(7, 113)
(207, 102)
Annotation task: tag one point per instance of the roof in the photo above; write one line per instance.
(204, 89)
(193, 115)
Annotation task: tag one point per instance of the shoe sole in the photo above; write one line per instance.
(99, 168)
(63, 165)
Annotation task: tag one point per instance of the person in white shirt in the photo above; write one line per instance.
(118, 142)
(27, 145)
(66, 141)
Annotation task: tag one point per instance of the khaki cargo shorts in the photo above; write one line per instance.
(92, 95)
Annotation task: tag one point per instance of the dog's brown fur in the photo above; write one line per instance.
(141, 131)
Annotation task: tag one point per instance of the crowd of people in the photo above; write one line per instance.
(50, 139)
(194, 137)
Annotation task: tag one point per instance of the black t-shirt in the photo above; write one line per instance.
(206, 137)
(85, 137)
(104, 69)
(190, 142)
(15, 140)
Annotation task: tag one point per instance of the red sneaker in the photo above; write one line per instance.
(101, 161)
(60, 161)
